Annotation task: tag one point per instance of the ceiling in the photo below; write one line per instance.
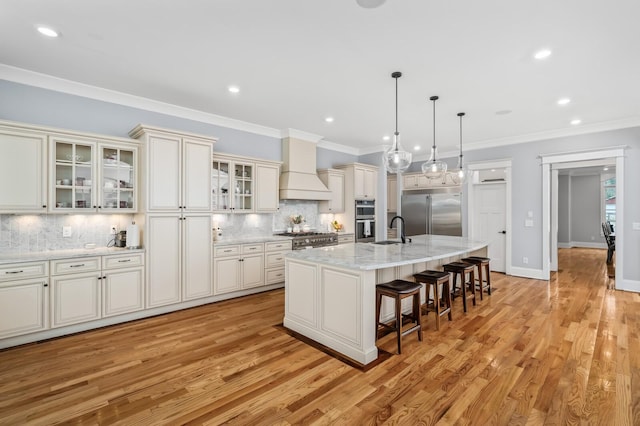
(298, 62)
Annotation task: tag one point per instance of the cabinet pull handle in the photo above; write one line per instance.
(124, 261)
(46, 285)
(44, 206)
(278, 275)
(76, 266)
(14, 272)
(99, 278)
(227, 251)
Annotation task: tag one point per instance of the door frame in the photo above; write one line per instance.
(550, 161)
(470, 186)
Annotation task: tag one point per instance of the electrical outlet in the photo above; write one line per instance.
(113, 229)
(525, 260)
(66, 231)
(635, 226)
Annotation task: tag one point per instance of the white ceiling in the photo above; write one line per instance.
(297, 62)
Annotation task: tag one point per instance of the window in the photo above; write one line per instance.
(609, 198)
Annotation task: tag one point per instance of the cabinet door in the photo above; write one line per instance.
(370, 183)
(117, 188)
(359, 190)
(196, 173)
(24, 307)
(252, 271)
(268, 187)
(392, 194)
(227, 274)
(163, 260)
(73, 176)
(75, 298)
(197, 257)
(243, 188)
(336, 185)
(123, 291)
(163, 174)
(22, 172)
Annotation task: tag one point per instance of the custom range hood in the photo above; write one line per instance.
(298, 180)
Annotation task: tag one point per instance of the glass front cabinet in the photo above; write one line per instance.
(232, 186)
(90, 177)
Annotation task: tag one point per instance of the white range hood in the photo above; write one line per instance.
(298, 180)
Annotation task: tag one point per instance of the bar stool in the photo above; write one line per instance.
(462, 269)
(482, 263)
(432, 280)
(398, 290)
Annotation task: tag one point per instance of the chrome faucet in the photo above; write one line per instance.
(402, 234)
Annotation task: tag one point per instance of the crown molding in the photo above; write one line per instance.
(300, 134)
(338, 147)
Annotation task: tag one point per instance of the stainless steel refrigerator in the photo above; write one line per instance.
(436, 212)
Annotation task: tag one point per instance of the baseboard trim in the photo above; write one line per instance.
(536, 274)
(628, 285)
(580, 244)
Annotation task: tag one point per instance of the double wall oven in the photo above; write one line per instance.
(365, 221)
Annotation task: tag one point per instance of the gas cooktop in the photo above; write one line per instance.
(304, 234)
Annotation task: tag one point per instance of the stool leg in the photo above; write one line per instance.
(436, 304)
(463, 289)
(488, 271)
(453, 288)
(417, 314)
(378, 303)
(446, 294)
(472, 280)
(399, 323)
(480, 281)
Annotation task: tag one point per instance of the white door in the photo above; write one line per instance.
(23, 307)
(227, 274)
(197, 280)
(253, 271)
(267, 183)
(490, 221)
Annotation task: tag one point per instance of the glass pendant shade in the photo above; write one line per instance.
(396, 159)
(434, 169)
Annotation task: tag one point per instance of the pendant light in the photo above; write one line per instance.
(396, 160)
(461, 174)
(434, 168)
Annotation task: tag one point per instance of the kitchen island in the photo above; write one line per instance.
(330, 291)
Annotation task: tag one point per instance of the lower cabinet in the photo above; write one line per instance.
(275, 253)
(122, 284)
(75, 298)
(238, 267)
(24, 306)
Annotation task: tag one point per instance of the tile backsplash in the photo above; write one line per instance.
(44, 232)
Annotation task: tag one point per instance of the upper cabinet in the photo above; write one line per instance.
(334, 180)
(178, 170)
(23, 171)
(244, 185)
(420, 181)
(91, 176)
(392, 193)
(364, 179)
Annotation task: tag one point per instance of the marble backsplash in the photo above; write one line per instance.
(30, 233)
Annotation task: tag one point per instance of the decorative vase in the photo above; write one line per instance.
(296, 228)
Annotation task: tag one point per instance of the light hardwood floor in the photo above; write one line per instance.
(534, 352)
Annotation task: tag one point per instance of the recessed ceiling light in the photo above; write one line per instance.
(49, 32)
(386, 138)
(416, 148)
(504, 112)
(576, 122)
(493, 170)
(605, 169)
(329, 119)
(563, 101)
(542, 54)
(234, 89)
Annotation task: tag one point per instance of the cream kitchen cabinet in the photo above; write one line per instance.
(24, 298)
(238, 267)
(23, 170)
(76, 294)
(177, 170)
(334, 180)
(233, 185)
(267, 187)
(392, 194)
(178, 261)
(362, 180)
(122, 284)
(91, 176)
(420, 181)
(346, 238)
(275, 252)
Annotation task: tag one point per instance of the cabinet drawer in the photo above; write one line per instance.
(122, 261)
(343, 239)
(274, 260)
(18, 271)
(278, 246)
(71, 266)
(226, 251)
(252, 248)
(274, 276)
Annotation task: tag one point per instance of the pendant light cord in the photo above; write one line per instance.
(396, 75)
(461, 114)
(434, 99)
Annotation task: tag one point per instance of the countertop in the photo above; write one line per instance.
(368, 256)
(34, 256)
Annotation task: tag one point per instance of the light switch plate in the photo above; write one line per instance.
(635, 226)
(66, 231)
(528, 223)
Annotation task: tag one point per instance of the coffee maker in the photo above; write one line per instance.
(121, 239)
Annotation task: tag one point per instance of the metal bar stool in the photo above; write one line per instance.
(482, 263)
(432, 280)
(398, 290)
(467, 288)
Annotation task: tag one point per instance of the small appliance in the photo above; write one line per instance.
(121, 239)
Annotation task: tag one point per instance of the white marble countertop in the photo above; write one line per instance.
(368, 256)
(34, 256)
(249, 239)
